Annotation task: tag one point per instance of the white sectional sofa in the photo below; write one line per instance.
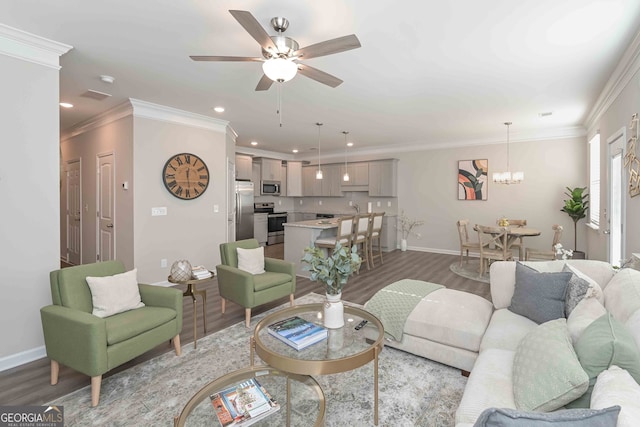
(468, 332)
(490, 383)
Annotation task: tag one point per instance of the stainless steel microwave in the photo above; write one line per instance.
(270, 188)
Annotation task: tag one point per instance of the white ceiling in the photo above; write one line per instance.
(428, 72)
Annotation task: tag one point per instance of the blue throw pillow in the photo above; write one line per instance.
(539, 296)
(503, 417)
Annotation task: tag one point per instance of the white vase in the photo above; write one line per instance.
(403, 245)
(334, 312)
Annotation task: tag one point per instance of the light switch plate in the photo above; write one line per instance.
(378, 204)
(389, 204)
(320, 202)
(158, 211)
(216, 208)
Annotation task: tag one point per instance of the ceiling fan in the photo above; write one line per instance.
(281, 54)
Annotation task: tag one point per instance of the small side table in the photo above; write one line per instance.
(192, 292)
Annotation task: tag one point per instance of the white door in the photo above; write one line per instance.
(106, 207)
(231, 201)
(74, 213)
(615, 215)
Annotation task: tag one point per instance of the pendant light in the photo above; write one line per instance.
(345, 177)
(319, 172)
(507, 177)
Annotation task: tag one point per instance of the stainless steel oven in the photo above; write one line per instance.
(275, 222)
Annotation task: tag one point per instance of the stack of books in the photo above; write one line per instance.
(199, 272)
(243, 404)
(297, 332)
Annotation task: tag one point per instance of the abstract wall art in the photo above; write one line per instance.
(472, 179)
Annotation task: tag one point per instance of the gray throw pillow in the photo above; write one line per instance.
(497, 417)
(576, 290)
(539, 296)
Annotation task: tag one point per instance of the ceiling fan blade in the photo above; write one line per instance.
(328, 47)
(319, 76)
(226, 58)
(264, 83)
(253, 27)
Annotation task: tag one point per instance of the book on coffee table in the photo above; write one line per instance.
(297, 332)
(243, 404)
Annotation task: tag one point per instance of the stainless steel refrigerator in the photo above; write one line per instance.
(244, 210)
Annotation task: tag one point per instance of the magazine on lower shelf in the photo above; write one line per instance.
(297, 332)
(243, 404)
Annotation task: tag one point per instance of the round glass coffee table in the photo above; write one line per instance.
(301, 399)
(345, 349)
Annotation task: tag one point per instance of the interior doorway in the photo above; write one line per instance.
(616, 208)
(105, 198)
(74, 212)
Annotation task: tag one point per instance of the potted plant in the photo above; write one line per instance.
(576, 207)
(407, 226)
(333, 271)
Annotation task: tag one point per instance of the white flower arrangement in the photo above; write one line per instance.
(407, 225)
(564, 253)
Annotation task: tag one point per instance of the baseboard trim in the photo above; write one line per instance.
(21, 358)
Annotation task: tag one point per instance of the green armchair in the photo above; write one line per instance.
(248, 290)
(92, 345)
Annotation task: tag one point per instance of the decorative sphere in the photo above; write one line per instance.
(181, 271)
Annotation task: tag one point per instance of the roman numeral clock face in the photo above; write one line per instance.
(186, 176)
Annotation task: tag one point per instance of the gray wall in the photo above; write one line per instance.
(30, 215)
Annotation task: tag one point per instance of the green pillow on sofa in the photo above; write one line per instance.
(604, 343)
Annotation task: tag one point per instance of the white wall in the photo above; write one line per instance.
(30, 188)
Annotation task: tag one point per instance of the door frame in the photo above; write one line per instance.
(66, 177)
(98, 157)
(620, 134)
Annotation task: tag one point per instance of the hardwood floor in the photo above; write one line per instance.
(29, 384)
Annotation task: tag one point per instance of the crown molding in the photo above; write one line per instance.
(29, 47)
(619, 79)
(163, 113)
(148, 110)
(116, 113)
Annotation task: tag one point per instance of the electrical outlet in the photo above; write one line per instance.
(158, 211)
(389, 204)
(163, 263)
(320, 202)
(300, 201)
(216, 208)
(378, 204)
(279, 202)
(350, 202)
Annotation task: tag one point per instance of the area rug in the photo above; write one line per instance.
(470, 270)
(413, 391)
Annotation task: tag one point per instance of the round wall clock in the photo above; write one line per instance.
(186, 176)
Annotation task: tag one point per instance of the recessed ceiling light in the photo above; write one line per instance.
(218, 109)
(66, 105)
(254, 143)
(294, 150)
(349, 144)
(107, 79)
(545, 114)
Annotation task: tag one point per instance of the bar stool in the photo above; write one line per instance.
(361, 230)
(375, 234)
(344, 236)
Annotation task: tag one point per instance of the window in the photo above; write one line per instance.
(594, 180)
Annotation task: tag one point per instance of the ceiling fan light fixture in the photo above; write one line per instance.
(280, 69)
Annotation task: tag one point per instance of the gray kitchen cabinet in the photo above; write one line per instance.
(358, 174)
(255, 177)
(283, 182)
(294, 179)
(271, 169)
(331, 181)
(244, 165)
(311, 187)
(383, 178)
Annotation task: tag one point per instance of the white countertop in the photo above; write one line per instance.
(314, 223)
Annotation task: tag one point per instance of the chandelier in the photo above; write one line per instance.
(508, 177)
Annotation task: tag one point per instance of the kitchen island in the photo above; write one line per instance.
(299, 235)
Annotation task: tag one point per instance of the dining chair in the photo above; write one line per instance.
(361, 230)
(344, 234)
(531, 253)
(465, 243)
(376, 234)
(493, 245)
(518, 243)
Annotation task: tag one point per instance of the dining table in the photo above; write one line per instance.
(517, 232)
